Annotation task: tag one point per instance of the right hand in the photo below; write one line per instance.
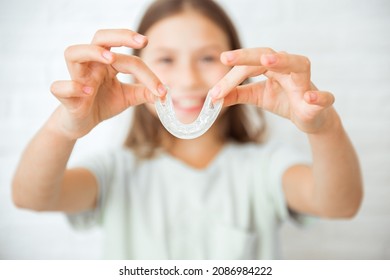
(94, 93)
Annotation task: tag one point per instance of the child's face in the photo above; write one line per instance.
(184, 53)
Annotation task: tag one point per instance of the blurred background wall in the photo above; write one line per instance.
(347, 42)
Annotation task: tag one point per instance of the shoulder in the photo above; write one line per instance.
(122, 154)
(271, 155)
(107, 160)
(244, 158)
(254, 150)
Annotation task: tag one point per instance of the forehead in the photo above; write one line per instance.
(188, 29)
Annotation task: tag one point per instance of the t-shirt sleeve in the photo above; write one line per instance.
(101, 166)
(280, 158)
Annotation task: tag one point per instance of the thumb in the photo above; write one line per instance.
(245, 94)
(136, 94)
(321, 98)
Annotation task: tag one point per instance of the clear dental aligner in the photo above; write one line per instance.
(204, 121)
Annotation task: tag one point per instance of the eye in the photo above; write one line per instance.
(165, 60)
(208, 58)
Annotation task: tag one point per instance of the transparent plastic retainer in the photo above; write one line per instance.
(204, 121)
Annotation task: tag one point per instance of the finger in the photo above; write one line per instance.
(320, 98)
(250, 56)
(137, 94)
(134, 65)
(88, 53)
(246, 94)
(119, 38)
(71, 93)
(70, 89)
(281, 62)
(233, 78)
(297, 66)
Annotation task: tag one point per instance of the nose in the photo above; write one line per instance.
(189, 76)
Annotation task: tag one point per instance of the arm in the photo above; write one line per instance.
(41, 181)
(94, 94)
(332, 186)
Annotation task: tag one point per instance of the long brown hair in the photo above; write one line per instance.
(240, 123)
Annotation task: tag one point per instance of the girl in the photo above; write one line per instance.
(219, 196)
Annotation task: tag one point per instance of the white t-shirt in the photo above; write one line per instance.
(164, 209)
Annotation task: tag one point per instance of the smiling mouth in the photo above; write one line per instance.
(194, 128)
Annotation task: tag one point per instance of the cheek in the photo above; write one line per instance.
(217, 73)
(164, 74)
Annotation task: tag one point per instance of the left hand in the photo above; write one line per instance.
(288, 91)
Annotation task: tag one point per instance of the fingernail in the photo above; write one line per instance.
(161, 90)
(215, 91)
(88, 90)
(271, 58)
(107, 55)
(313, 97)
(138, 38)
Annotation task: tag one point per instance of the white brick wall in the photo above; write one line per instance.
(347, 42)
